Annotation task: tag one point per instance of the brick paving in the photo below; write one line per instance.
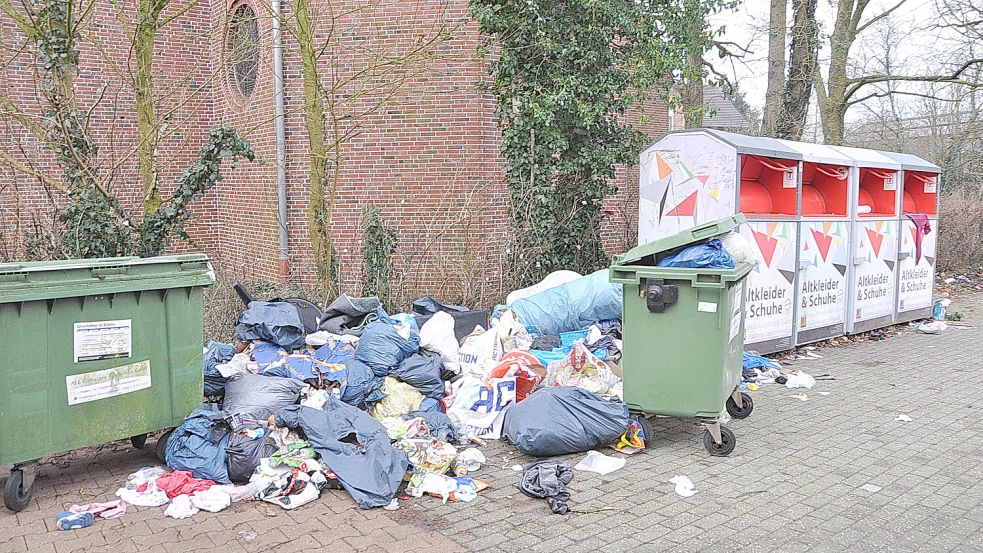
(833, 473)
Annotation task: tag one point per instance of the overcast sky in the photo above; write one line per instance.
(747, 24)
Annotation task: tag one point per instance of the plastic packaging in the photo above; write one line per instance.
(711, 255)
(571, 306)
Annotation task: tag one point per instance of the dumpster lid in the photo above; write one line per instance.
(43, 280)
(818, 153)
(755, 145)
(913, 163)
(868, 158)
(696, 234)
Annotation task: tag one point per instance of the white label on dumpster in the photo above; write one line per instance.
(103, 340)
(117, 381)
(791, 178)
(931, 185)
(735, 316)
(706, 307)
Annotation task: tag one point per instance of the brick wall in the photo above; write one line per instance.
(424, 150)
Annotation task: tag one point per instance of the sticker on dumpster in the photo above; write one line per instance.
(103, 340)
(791, 178)
(735, 317)
(706, 307)
(930, 186)
(86, 387)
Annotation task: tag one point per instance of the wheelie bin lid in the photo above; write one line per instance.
(640, 262)
(648, 254)
(45, 280)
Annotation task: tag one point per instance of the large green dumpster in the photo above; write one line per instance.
(684, 334)
(93, 351)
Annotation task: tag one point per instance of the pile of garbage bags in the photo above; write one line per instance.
(353, 398)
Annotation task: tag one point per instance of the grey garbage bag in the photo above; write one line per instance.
(363, 388)
(276, 322)
(382, 348)
(198, 446)
(440, 425)
(571, 306)
(560, 420)
(215, 354)
(371, 469)
(347, 315)
(548, 479)
(245, 453)
(257, 397)
(422, 371)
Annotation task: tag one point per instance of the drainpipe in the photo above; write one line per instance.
(281, 143)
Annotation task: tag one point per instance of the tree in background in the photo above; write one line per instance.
(777, 29)
(564, 75)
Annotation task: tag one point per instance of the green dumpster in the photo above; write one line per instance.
(684, 334)
(94, 351)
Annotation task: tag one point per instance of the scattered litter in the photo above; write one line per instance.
(246, 537)
(470, 459)
(72, 521)
(600, 463)
(871, 488)
(517, 468)
(393, 505)
(799, 380)
(823, 393)
(684, 486)
(548, 479)
(108, 510)
(903, 418)
(934, 327)
(801, 396)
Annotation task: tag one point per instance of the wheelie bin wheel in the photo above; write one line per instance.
(139, 441)
(742, 412)
(161, 448)
(726, 445)
(15, 496)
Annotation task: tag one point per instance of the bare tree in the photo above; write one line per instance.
(777, 29)
(801, 65)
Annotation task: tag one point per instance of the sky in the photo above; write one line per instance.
(747, 25)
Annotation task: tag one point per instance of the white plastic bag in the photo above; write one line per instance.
(600, 463)
(739, 248)
(437, 335)
(480, 353)
(800, 380)
(480, 405)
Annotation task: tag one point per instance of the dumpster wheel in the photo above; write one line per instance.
(161, 448)
(744, 409)
(17, 496)
(727, 442)
(138, 441)
(646, 425)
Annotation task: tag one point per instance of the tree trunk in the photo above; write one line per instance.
(691, 91)
(777, 27)
(319, 204)
(143, 47)
(833, 105)
(801, 65)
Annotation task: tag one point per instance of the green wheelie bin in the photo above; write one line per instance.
(683, 334)
(94, 351)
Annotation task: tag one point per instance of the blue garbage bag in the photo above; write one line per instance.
(561, 420)
(422, 371)
(216, 353)
(751, 361)
(382, 348)
(276, 322)
(335, 352)
(571, 306)
(371, 470)
(198, 446)
(711, 255)
(363, 388)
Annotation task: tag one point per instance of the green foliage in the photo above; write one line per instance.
(204, 173)
(565, 76)
(377, 254)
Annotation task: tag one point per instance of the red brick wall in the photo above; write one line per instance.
(428, 158)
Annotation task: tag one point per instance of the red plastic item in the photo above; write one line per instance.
(529, 372)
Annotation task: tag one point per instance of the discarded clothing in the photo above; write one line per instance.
(67, 520)
(214, 499)
(382, 348)
(571, 306)
(257, 397)
(198, 446)
(370, 471)
(181, 482)
(440, 425)
(108, 510)
(422, 371)
(556, 421)
(181, 507)
(276, 322)
(140, 488)
(216, 353)
(544, 342)
(347, 315)
(922, 229)
(548, 479)
(711, 255)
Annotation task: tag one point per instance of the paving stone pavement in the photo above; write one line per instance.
(833, 473)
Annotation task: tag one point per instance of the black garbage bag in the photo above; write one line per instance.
(245, 453)
(347, 315)
(560, 420)
(422, 371)
(257, 397)
(548, 479)
(354, 446)
(276, 322)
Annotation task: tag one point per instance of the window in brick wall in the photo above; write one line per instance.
(242, 49)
